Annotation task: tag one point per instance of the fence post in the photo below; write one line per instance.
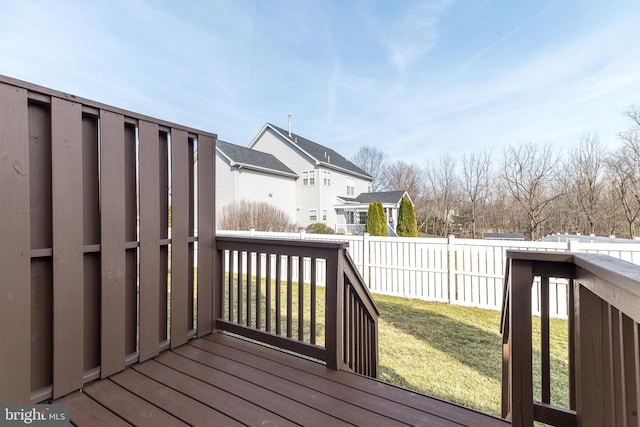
(451, 265)
(365, 258)
(572, 245)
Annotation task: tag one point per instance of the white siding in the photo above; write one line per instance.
(225, 184)
(233, 184)
(305, 198)
(275, 190)
(318, 196)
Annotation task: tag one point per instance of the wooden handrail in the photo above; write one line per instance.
(604, 355)
(258, 299)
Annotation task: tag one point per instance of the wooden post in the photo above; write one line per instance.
(15, 261)
(589, 367)
(334, 308)
(68, 287)
(520, 363)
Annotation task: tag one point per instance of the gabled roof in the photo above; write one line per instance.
(253, 159)
(385, 197)
(382, 196)
(322, 155)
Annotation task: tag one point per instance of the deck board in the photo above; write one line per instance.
(223, 380)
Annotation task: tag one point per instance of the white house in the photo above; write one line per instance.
(243, 173)
(354, 210)
(310, 182)
(325, 176)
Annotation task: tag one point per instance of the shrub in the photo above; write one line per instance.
(259, 216)
(376, 224)
(407, 223)
(319, 228)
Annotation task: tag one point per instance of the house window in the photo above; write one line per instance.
(308, 178)
(349, 217)
(327, 178)
(313, 214)
(351, 191)
(324, 214)
(362, 217)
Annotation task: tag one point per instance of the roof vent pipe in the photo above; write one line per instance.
(289, 125)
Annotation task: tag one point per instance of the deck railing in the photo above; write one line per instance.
(92, 280)
(603, 338)
(302, 296)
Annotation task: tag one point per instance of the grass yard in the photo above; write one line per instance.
(450, 352)
(455, 353)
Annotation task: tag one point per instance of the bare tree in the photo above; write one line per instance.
(245, 215)
(443, 191)
(476, 170)
(404, 176)
(373, 162)
(582, 179)
(529, 173)
(624, 171)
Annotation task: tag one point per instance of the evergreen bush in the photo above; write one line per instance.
(407, 222)
(376, 224)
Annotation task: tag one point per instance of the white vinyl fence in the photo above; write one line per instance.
(458, 271)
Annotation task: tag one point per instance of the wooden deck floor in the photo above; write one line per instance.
(220, 380)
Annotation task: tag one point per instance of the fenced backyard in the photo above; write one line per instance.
(463, 272)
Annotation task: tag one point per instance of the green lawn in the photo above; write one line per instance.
(442, 350)
(455, 353)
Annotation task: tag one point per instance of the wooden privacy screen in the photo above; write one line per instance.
(91, 278)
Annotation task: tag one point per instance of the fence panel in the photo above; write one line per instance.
(70, 253)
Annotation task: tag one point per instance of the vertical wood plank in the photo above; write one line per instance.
(149, 172)
(589, 375)
(131, 235)
(259, 290)
(249, 279)
(267, 279)
(15, 281)
(91, 236)
(545, 357)
(230, 258)
(278, 291)
(191, 197)
(163, 318)
(630, 363)
(112, 225)
(180, 209)
(314, 302)
(66, 148)
(300, 298)
(240, 269)
(608, 393)
(334, 307)
(206, 234)
(520, 363)
(617, 351)
(41, 231)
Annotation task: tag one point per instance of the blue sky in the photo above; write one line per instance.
(414, 79)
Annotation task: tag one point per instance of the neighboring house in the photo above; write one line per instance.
(252, 175)
(354, 210)
(325, 177)
(309, 182)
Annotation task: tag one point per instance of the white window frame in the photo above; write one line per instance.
(313, 215)
(324, 214)
(327, 178)
(309, 178)
(351, 191)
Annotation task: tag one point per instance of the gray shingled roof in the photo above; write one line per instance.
(318, 152)
(382, 196)
(250, 157)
